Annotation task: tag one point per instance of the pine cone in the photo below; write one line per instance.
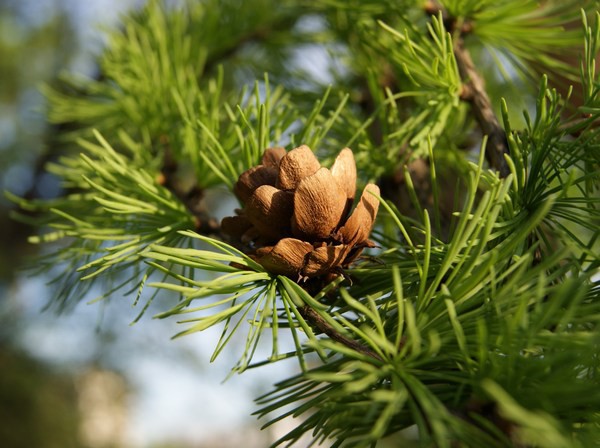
(295, 213)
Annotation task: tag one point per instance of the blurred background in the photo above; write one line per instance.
(87, 378)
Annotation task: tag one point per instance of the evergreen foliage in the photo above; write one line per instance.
(475, 319)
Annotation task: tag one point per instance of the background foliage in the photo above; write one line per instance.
(477, 311)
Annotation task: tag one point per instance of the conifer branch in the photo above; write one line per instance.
(474, 91)
(479, 322)
(317, 322)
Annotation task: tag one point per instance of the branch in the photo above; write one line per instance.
(475, 93)
(474, 90)
(320, 324)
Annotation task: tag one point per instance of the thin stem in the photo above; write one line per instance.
(474, 92)
(322, 326)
